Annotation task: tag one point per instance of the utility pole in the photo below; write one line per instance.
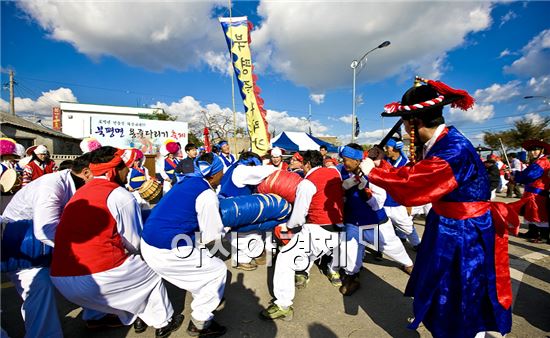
(12, 100)
(309, 119)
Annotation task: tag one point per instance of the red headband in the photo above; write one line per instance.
(109, 168)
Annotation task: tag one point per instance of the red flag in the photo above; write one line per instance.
(206, 140)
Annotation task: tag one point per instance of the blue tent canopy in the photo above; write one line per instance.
(299, 141)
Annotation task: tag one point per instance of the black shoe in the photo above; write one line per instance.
(139, 325)
(107, 321)
(174, 324)
(213, 330)
(350, 284)
(531, 233)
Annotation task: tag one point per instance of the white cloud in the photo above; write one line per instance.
(507, 17)
(532, 117)
(41, 108)
(317, 98)
(314, 43)
(498, 93)
(281, 121)
(219, 62)
(367, 137)
(478, 114)
(477, 137)
(521, 107)
(535, 60)
(345, 119)
(539, 85)
(188, 109)
(504, 53)
(155, 35)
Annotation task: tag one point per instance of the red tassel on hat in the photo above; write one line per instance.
(465, 102)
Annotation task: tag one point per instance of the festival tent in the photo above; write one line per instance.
(297, 141)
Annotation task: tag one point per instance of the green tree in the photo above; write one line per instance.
(521, 132)
(158, 114)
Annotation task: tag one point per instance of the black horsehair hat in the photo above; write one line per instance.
(424, 98)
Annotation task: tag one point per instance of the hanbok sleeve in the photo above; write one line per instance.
(127, 214)
(530, 174)
(421, 183)
(207, 206)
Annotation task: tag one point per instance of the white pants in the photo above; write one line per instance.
(39, 310)
(403, 223)
(413, 238)
(245, 246)
(389, 243)
(502, 184)
(130, 290)
(305, 247)
(190, 269)
(493, 194)
(166, 186)
(421, 209)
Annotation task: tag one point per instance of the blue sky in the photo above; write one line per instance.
(173, 55)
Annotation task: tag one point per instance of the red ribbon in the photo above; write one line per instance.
(502, 215)
(171, 162)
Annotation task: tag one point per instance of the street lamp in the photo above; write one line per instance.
(545, 99)
(354, 65)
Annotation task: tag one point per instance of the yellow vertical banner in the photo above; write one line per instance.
(237, 35)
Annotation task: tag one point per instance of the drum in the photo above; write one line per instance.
(150, 191)
(10, 182)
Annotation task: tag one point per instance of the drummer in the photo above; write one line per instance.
(137, 176)
(168, 169)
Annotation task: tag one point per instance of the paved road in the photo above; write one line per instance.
(378, 309)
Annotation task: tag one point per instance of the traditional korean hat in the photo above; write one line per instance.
(40, 150)
(7, 146)
(276, 152)
(425, 98)
(536, 144)
(172, 147)
(89, 144)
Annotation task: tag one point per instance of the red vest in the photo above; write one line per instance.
(327, 204)
(37, 170)
(87, 240)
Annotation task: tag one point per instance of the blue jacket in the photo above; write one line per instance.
(175, 214)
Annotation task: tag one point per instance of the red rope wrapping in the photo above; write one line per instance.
(282, 183)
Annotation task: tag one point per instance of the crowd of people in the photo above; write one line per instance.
(88, 231)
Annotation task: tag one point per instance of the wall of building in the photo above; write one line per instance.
(56, 145)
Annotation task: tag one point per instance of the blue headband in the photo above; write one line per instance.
(222, 143)
(250, 160)
(349, 152)
(397, 145)
(206, 169)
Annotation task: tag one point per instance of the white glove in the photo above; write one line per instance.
(349, 183)
(363, 183)
(366, 166)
